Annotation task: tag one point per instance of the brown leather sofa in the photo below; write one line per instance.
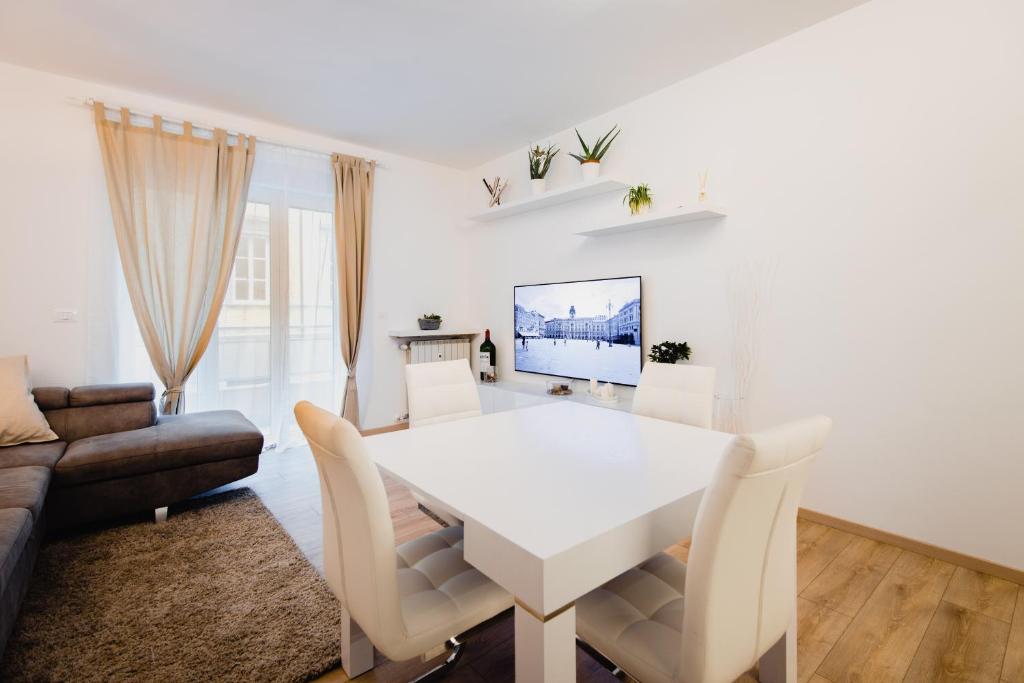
(114, 457)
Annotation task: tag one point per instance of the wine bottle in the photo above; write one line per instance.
(488, 359)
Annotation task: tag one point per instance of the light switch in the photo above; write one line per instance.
(65, 315)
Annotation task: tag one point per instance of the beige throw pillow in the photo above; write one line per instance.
(21, 421)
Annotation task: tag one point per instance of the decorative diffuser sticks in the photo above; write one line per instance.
(495, 187)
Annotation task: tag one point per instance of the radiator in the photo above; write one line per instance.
(435, 350)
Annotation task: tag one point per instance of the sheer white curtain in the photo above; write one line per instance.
(277, 336)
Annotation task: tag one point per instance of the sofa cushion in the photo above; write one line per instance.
(72, 424)
(20, 418)
(15, 530)
(24, 487)
(39, 454)
(175, 441)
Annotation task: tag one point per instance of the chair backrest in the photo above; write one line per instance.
(441, 391)
(360, 562)
(680, 393)
(741, 574)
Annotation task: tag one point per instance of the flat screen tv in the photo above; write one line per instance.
(588, 329)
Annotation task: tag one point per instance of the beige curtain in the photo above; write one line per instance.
(178, 201)
(353, 202)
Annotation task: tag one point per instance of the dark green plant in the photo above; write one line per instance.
(540, 160)
(595, 153)
(637, 197)
(430, 316)
(669, 352)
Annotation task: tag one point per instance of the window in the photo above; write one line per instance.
(249, 280)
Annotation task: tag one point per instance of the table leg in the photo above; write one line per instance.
(546, 646)
(356, 648)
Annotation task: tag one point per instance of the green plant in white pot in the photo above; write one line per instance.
(590, 159)
(638, 199)
(540, 164)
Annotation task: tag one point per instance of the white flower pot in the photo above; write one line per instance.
(640, 210)
(538, 185)
(590, 169)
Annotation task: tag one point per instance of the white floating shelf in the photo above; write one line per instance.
(552, 198)
(683, 214)
(433, 334)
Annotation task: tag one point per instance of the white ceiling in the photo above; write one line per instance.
(457, 82)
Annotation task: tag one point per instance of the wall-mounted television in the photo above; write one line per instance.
(587, 329)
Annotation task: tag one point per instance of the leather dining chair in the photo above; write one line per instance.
(734, 603)
(440, 392)
(406, 601)
(680, 393)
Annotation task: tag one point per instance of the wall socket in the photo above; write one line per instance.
(65, 315)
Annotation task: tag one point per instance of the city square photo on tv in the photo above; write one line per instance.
(587, 329)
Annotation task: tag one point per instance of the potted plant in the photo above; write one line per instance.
(669, 352)
(430, 321)
(590, 160)
(638, 199)
(540, 163)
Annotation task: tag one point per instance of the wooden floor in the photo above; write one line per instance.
(868, 612)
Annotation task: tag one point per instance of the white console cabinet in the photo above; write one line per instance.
(505, 395)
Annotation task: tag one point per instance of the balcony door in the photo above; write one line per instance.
(276, 340)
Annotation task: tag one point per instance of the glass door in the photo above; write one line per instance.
(276, 340)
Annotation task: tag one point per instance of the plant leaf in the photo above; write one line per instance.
(586, 150)
(606, 143)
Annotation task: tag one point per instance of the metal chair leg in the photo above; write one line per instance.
(602, 660)
(455, 652)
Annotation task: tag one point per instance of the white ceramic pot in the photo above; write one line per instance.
(640, 210)
(538, 185)
(590, 169)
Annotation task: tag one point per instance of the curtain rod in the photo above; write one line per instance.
(89, 102)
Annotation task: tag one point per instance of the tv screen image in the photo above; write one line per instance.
(581, 330)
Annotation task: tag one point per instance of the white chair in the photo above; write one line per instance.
(739, 584)
(440, 392)
(407, 601)
(680, 393)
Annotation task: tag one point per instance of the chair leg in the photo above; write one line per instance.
(356, 648)
(608, 664)
(455, 649)
(778, 664)
(160, 515)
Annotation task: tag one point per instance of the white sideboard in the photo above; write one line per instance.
(507, 395)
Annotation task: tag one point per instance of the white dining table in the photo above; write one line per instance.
(556, 500)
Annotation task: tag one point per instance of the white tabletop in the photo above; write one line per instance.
(557, 499)
(552, 476)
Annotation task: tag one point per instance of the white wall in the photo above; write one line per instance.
(57, 249)
(878, 158)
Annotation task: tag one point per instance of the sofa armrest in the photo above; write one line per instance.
(106, 394)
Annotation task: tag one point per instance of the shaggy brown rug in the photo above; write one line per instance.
(217, 593)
